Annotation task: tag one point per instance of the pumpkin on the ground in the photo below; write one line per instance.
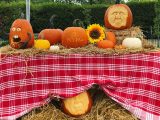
(52, 35)
(74, 37)
(78, 105)
(118, 17)
(21, 34)
(42, 44)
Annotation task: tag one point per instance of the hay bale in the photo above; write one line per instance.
(103, 109)
(131, 32)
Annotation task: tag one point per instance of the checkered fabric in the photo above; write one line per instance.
(131, 80)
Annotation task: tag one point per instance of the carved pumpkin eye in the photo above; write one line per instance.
(13, 29)
(18, 29)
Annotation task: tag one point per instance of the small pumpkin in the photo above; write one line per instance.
(21, 34)
(118, 17)
(74, 37)
(132, 43)
(52, 35)
(111, 37)
(105, 44)
(42, 44)
(78, 105)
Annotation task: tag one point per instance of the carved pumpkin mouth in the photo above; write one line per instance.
(16, 38)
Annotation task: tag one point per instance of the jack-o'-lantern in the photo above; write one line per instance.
(118, 17)
(52, 35)
(21, 34)
(74, 37)
(77, 105)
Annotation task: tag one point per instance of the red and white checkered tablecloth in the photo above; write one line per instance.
(131, 80)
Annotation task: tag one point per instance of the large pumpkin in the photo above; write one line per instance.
(52, 35)
(118, 17)
(21, 35)
(74, 37)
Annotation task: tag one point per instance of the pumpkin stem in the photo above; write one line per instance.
(51, 20)
(78, 23)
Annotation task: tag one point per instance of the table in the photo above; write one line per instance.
(132, 80)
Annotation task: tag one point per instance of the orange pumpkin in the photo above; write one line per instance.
(118, 17)
(105, 44)
(111, 37)
(21, 34)
(74, 37)
(52, 35)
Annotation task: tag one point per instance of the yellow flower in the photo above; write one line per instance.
(95, 33)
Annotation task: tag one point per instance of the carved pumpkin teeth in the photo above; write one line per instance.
(16, 38)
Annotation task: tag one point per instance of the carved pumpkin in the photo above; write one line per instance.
(74, 37)
(21, 35)
(105, 44)
(78, 105)
(118, 17)
(52, 35)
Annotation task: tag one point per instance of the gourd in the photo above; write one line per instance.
(132, 43)
(42, 44)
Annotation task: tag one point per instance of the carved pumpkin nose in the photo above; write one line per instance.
(16, 38)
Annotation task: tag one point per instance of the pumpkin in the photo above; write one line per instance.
(61, 32)
(21, 34)
(54, 48)
(105, 44)
(42, 44)
(74, 37)
(118, 17)
(52, 35)
(132, 43)
(78, 105)
(111, 37)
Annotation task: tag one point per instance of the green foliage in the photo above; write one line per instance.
(157, 19)
(65, 14)
(143, 15)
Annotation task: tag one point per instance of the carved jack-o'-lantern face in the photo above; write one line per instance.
(118, 16)
(21, 34)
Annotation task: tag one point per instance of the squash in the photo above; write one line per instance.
(42, 44)
(78, 105)
(132, 43)
(52, 35)
(74, 37)
(105, 44)
(118, 17)
(21, 34)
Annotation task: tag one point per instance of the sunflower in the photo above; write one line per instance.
(95, 33)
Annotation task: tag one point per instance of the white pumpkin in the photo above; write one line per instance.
(132, 43)
(54, 48)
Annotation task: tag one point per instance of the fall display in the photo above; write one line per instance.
(74, 37)
(118, 17)
(78, 105)
(21, 35)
